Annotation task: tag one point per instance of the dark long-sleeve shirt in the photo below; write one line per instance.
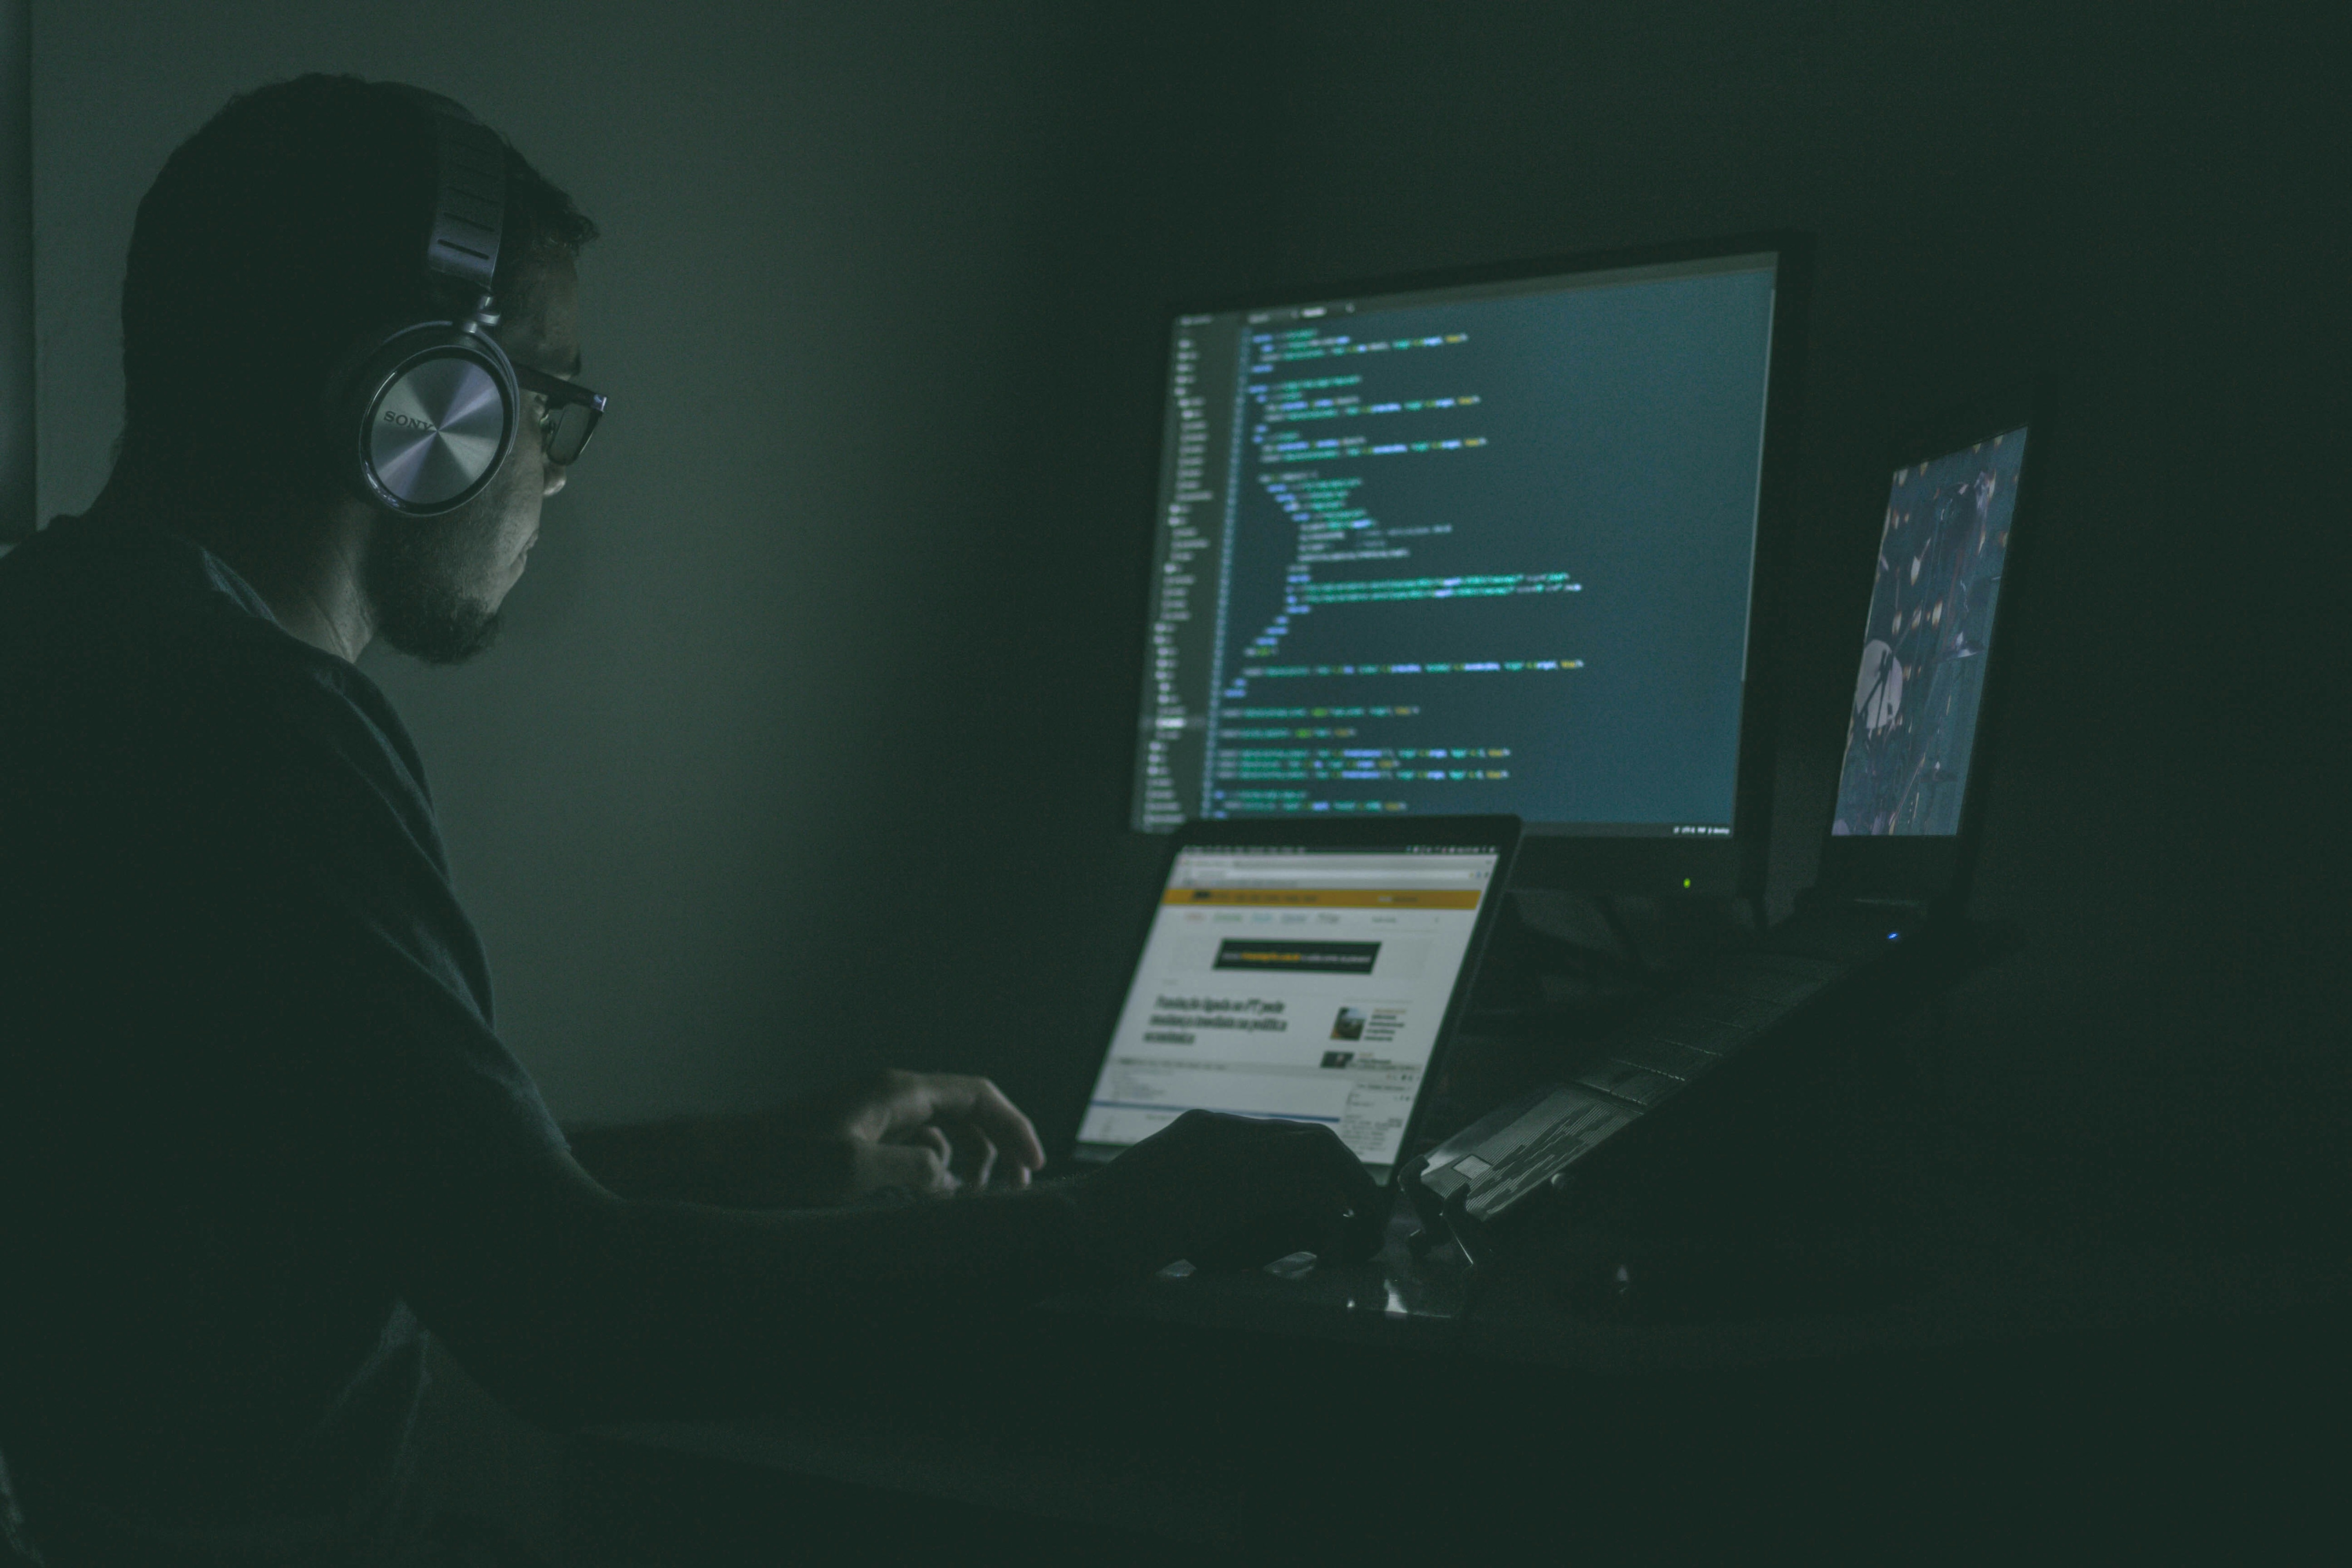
(241, 1012)
(253, 1107)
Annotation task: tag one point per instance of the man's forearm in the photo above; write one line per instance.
(579, 1306)
(667, 1310)
(682, 1158)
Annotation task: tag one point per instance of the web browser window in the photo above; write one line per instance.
(1307, 984)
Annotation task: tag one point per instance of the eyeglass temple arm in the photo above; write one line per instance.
(558, 390)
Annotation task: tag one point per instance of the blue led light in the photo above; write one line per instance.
(1894, 936)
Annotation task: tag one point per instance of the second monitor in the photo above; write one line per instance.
(1486, 544)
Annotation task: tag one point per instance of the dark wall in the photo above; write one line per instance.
(2151, 209)
(809, 745)
(16, 517)
(660, 792)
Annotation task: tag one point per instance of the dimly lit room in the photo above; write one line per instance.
(1292, 782)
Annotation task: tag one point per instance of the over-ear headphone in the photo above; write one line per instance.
(421, 416)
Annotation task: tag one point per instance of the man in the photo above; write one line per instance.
(255, 1124)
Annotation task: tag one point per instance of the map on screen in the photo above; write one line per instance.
(1912, 729)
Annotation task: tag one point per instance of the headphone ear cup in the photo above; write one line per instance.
(422, 421)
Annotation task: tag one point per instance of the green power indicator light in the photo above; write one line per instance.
(1685, 881)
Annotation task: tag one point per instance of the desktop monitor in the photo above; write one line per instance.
(1480, 543)
(1910, 790)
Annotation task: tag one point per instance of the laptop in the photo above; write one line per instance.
(1303, 968)
(1894, 863)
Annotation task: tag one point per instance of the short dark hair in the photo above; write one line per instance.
(292, 224)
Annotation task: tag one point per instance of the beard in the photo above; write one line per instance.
(415, 577)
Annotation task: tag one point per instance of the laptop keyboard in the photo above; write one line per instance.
(1547, 1137)
(1513, 1152)
(1628, 1082)
(1675, 1060)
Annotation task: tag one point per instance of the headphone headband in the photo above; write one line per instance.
(421, 417)
(469, 211)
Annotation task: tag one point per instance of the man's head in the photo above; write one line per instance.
(435, 582)
(286, 233)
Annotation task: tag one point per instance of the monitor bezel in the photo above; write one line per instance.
(1934, 869)
(1557, 856)
(1500, 832)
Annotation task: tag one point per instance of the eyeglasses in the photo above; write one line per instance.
(571, 413)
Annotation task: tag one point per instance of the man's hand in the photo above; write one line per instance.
(1230, 1192)
(931, 1134)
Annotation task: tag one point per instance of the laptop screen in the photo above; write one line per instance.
(1912, 732)
(1305, 983)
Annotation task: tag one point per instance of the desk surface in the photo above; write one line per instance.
(1869, 1298)
(1930, 1309)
